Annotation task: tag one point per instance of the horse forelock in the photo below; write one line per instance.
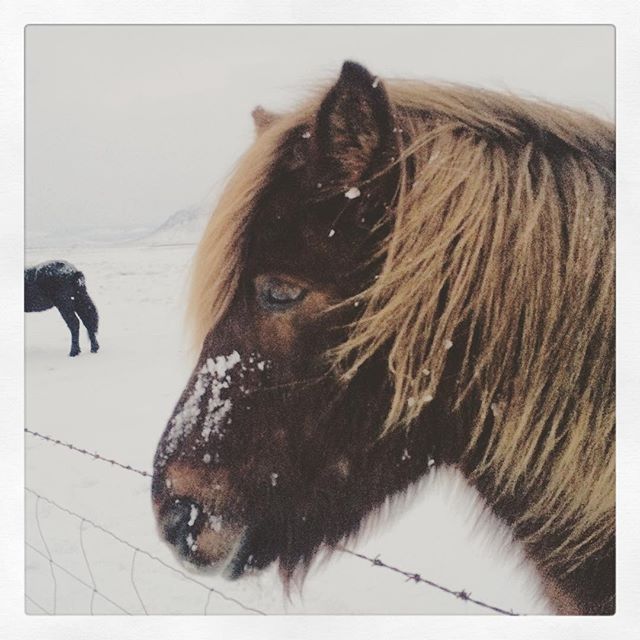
(502, 247)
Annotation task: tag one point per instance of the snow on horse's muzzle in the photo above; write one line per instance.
(181, 524)
(196, 502)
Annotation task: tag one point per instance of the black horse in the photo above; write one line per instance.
(57, 283)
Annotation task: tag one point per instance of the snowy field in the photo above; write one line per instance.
(116, 403)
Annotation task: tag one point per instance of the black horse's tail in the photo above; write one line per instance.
(84, 306)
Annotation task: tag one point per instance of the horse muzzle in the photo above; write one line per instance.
(196, 526)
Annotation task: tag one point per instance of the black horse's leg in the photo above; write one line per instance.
(88, 321)
(88, 313)
(69, 316)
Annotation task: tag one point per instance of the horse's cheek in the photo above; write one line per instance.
(277, 336)
(290, 338)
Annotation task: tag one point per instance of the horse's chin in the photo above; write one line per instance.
(239, 560)
(231, 562)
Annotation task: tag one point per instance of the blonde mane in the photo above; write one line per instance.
(510, 210)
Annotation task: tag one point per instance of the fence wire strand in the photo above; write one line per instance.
(86, 561)
(37, 604)
(49, 557)
(133, 581)
(206, 604)
(376, 562)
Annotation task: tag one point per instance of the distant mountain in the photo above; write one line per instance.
(84, 237)
(183, 227)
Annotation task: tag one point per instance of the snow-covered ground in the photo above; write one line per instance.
(116, 403)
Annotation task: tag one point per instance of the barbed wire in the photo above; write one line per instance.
(90, 454)
(138, 550)
(416, 577)
(413, 576)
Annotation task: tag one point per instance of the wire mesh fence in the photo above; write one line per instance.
(208, 592)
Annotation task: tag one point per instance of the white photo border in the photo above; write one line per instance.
(623, 15)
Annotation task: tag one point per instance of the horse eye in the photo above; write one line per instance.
(277, 295)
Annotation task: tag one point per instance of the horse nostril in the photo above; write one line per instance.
(182, 522)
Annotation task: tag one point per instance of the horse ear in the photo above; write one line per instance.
(262, 119)
(355, 125)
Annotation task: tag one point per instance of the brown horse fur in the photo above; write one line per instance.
(456, 307)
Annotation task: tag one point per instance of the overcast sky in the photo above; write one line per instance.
(126, 125)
